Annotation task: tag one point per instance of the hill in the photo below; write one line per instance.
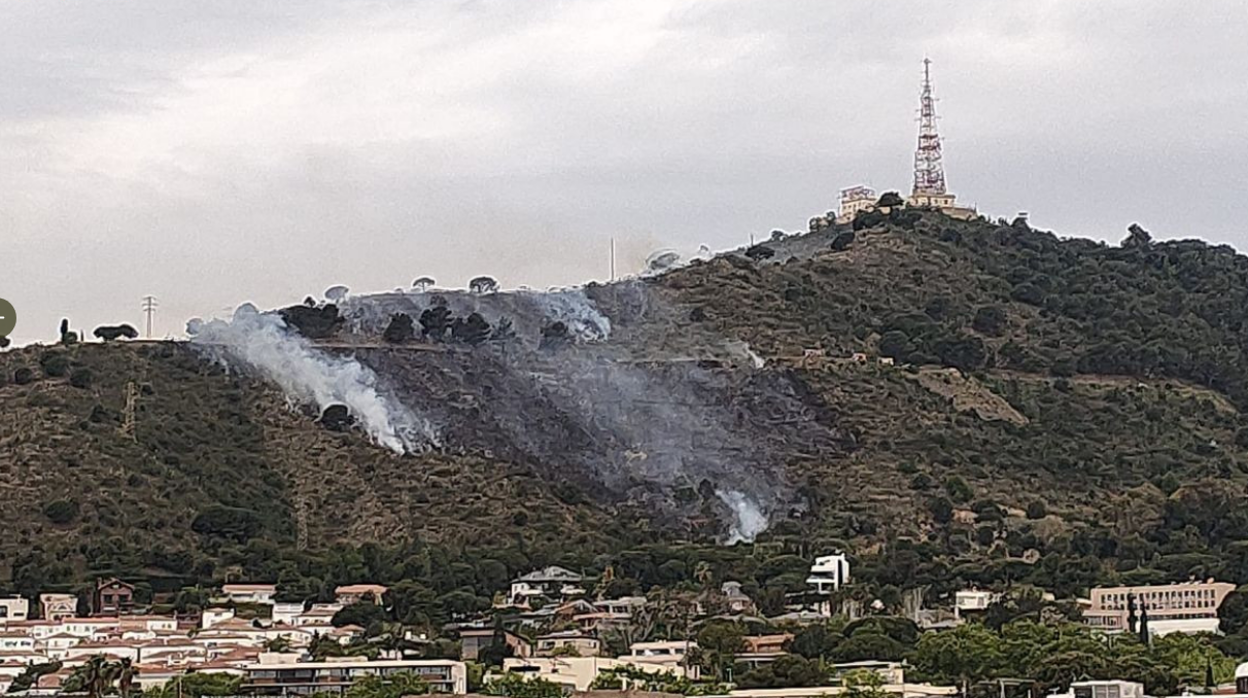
(1059, 412)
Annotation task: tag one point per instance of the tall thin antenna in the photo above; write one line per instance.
(613, 259)
(929, 171)
(149, 309)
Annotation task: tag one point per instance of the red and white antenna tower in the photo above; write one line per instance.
(929, 173)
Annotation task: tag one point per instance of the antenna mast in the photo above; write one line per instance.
(929, 172)
(149, 309)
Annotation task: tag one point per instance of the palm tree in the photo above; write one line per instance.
(125, 673)
(94, 677)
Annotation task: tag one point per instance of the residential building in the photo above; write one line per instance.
(112, 597)
(854, 200)
(13, 608)
(569, 642)
(474, 641)
(215, 616)
(1187, 607)
(1103, 689)
(1241, 678)
(667, 653)
(354, 593)
(286, 613)
(829, 573)
(892, 673)
(762, 649)
(250, 593)
(736, 600)
(58, 606)
(972, 601)
(577, 673)
(308, 678)
(550, 582)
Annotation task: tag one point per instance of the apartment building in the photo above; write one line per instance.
(1187, 607)
(308, 678)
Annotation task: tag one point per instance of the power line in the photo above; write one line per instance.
(149, 309)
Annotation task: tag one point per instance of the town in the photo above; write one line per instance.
(551, 628)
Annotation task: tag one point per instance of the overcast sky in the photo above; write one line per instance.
(211, 153)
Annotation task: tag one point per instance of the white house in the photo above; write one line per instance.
(215, 616)
(550, 582)
(286, 613)
(829, 573)
(972, 600)
(58, 606)
(13, 608)
(250, 593)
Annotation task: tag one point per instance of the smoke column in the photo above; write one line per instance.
(748, 519)
(262, 342)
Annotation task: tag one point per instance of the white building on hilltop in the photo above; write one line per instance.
(855, 200)
(829, 573)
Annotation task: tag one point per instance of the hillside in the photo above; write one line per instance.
(1060, 412)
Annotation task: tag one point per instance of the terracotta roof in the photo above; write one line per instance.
(361, 589)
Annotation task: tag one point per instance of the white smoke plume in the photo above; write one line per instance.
(748, 518)
(263, 343)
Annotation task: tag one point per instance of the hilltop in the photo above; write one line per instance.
(1060, 412)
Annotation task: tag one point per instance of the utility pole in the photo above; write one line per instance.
(149, 309)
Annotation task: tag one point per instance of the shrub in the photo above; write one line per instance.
(23, 376)
(1037, 510)
(400, 329)
(54, 363)
(80, 378)
(989, 320)
(61, 511)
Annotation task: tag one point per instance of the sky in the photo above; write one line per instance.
(212, 153)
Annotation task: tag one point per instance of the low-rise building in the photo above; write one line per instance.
(308, 678)
(250, 593)
(972, 601)
(285, 613)
(58, 606)
(354, 593)
(829, 573)
(569, 642)
(473, 641)
(550, 582)
(13, 609)
(667, 653)
(855, 200)
(1103, 689)
(577, 673)
(112, 597)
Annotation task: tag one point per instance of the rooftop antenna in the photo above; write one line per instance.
(149, 309)
(929, 171)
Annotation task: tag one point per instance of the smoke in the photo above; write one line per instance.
(263, 343)
(748, 518)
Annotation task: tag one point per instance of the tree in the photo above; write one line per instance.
(109, 333)
(55, 364)
(23, 376)
(760, 252)
(720, 642)
(864, 683)
(842, 241)
(61, 511)
(197, 685)
(80, 378)
(424, 283)
(517, 686)
(964, 655)
(400, 329)
(393, 686)
(125, 673)
(435, 321)
(94, 677)
(471, 330)
(483, 284)
(1137, 238)
(360, 613)
(817, 641)
(990, 320)
(30, 676)
(889, 199)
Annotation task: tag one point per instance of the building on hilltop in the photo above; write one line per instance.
(1188, 607)
(853, 201)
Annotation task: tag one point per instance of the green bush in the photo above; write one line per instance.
(23, 376)
(61, 511)
(80, 378)
(55, 364)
